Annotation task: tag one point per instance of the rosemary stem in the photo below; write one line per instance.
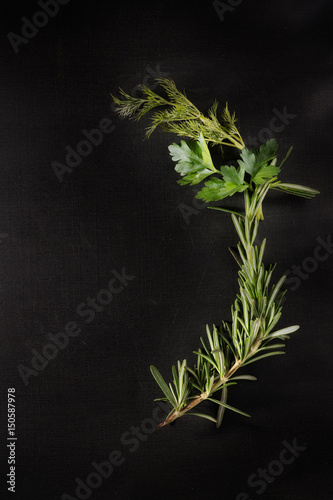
(202, 396)
(248, 245)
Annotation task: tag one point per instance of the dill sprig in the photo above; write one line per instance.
(177, 114)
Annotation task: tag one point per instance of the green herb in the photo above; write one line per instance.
(251, 333)
(180, 116)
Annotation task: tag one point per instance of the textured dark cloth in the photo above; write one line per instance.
(107, 265)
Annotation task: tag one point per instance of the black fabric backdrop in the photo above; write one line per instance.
(119, 218)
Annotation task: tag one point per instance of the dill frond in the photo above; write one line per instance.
(177, 114)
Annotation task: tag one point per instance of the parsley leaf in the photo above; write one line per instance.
(248, 161)
(260, 164)
(265, 172)
(267, 152)
(194, 160)
(216, 189)
(230, 174)
(232, 182)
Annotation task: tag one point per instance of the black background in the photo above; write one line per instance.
(122, 208)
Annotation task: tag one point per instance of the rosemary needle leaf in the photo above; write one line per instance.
(296, 189)
(252, 360)
(229, 407)
(227, 210)
(286, 157)
(165, 389)
(284, 331)
(235, 255)
(244, 377)
(207, 358)
(222, 407)
(202, 415)
(224, 385)
(271, 346)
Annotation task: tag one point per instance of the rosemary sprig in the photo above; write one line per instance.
(250, 335)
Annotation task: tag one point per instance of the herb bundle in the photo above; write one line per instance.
(251, 334)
